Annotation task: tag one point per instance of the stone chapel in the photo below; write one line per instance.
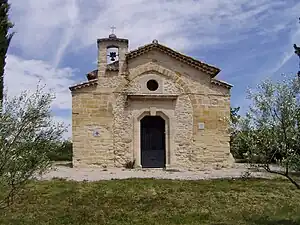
(152, 107)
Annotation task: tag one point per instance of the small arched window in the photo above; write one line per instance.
(112, 54)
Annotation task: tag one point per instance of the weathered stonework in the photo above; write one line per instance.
(106, 116)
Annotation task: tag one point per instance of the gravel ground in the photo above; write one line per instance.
(95, 174)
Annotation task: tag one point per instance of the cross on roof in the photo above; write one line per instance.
(113, 29)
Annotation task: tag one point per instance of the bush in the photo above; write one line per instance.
(27, 131)
(63, 152)
(270, 131)
(129, 164)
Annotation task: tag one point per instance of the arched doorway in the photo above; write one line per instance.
(153, 142)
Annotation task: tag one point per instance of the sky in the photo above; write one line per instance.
(55, 40)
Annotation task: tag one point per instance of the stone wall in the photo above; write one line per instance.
(210, 105)
(108, 110)
(92, 112)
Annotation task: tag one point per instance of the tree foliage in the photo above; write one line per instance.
(270, 131)
(5, 38)
(63, 151)
(27, 132)
(234, 121)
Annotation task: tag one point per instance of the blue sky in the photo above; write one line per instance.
(55, 40)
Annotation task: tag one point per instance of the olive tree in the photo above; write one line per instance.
(271, 128)
(235, 150)
(27, 130)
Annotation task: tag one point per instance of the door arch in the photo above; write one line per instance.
(153, 142)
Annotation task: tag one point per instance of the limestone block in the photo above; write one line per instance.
(106, 109)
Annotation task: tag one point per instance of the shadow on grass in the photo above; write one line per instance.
(266, 221)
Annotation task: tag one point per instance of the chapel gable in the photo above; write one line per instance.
(152, 107)
(114, 59)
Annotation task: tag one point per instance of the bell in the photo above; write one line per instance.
(112, 56)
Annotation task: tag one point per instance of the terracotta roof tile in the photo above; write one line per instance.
(92, 75)
(84, 84)
(211, 70)
(221, 83)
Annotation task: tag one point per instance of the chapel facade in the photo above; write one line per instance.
(152, 107)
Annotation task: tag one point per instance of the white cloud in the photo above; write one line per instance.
(41, 25)
(286, 52)
(48, 29)
(183, 25)
(21, 75)
(68, 32)
(24, 74)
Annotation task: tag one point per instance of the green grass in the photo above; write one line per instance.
(148, 201)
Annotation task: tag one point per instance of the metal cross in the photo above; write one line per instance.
(113, 29)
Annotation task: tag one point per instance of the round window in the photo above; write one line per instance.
(152, 85)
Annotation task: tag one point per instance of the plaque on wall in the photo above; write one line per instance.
(96, 133)
(201, 126)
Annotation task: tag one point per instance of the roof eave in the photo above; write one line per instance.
(221, 83)
(112, 39)
(211, 70)
(84, 84)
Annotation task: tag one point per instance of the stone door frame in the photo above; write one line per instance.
(169, 134)
(147, 149)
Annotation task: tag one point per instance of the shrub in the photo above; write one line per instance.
(63, 151)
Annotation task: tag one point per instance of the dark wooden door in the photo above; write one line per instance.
(153, 150)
